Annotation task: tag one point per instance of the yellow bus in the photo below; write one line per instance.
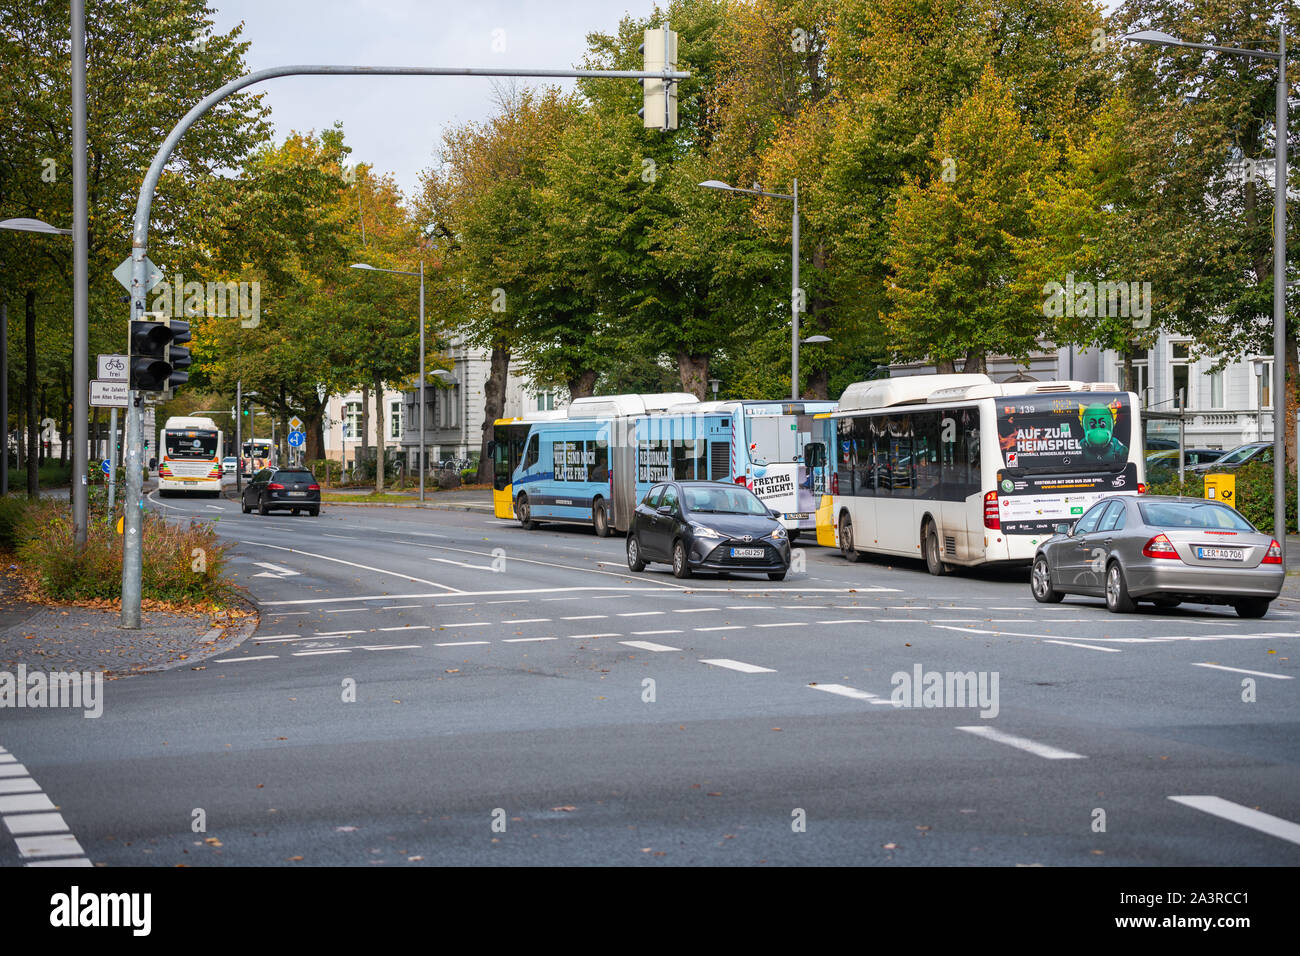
(506, 449)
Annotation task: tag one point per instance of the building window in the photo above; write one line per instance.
(545, 401)
(395, 419)
(1179, 377)
(1216, 388)
(352, 421)
(1264, 387)
(1141, 380)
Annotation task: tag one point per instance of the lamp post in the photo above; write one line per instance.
(1159, 38)
(420, 377)
(795, 304)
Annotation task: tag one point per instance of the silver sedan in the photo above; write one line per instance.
(1161, 549)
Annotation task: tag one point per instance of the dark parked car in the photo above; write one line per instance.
(1260, 451)
(1161, 549)
(1163, 465)
(285, 489)
(707, 526)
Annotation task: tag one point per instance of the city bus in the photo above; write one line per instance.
(959, 470)
(256, 455)
(606, 429)
(191, 456)
(509, 436)
(758, 444)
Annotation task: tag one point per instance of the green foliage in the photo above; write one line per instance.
(12, 511)
(183, 563)
(326, 470)
(1254, 493)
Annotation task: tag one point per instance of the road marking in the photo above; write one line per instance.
(443, 627)
(639, 613)
(738, 666)
(650, 646)
(278, 640)
(903, 620)
(525, 640)
(460, 643)
(585, 617)
(341, 650)
(848, 620)
(649, 633)
(284, 613)
(13, 770)
(463, 564)
(785, 624)
(384, 597)
(240, 660)
(844, 691)
(1255, 819)
(726, 627)
(389, 647)
(1091, 647)
(22, 824)
(1023, 743)
(353, 610)
(274, 571)
(25, 803)
(547, 564)
(408, 627)
(363, 567)
(527, 620)
(1238, 670)
(55, 844)
(334, 633)
(452, 604)
(696, 610)
(579, 637)
(19, 785)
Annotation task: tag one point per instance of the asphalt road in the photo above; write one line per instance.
(435, 687)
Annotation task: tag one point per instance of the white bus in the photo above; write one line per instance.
(191, 456)
(958, 470)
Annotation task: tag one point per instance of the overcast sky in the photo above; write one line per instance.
(396, 122)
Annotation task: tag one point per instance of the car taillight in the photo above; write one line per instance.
(1142, 487)
(991, 519)
(1160, 547)
(275, 486)
(313, 487)
(1274, 553)
(740, 479)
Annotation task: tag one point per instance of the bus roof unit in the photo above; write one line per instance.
(904, 390)
(998, 389)
(616, 406)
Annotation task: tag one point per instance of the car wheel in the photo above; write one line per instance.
(1252, 607)
(930, 546)
(1117, 596)
(243, 503)
(314, 512)
(600, 519)
(634, 559)
(846, 540)
(681, 568)
(525, 513)
(1040, 583)
(776, 575)
(261, 506)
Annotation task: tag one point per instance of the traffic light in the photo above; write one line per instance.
(659, 96)
(155, 362)
(178, 358)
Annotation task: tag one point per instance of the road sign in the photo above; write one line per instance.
(153, 275)
(112, 368)
(105, 466)
(295, 424)
(297, 439)
(108, 394)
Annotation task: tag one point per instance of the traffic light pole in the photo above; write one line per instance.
(131, 553)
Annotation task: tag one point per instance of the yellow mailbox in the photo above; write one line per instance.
(1222, 487)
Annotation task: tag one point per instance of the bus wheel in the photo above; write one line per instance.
(933, 559)
(600, 519)
(525, 513)
(846, 540)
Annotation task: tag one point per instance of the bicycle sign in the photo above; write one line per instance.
(112, 368)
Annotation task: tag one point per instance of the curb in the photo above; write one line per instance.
(239, 634)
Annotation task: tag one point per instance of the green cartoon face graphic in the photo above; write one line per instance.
(1098, 425)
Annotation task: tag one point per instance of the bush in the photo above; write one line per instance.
(1254, 491)
(183, 563)
(12, 509)
(469, 475)
(326, 470)
(448, 479)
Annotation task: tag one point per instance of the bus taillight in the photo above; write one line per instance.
(835, 484)
(991, 520)
(1142, 487)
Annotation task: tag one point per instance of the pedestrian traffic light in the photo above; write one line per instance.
(659, 95)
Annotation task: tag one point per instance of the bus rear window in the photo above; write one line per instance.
(1069, 432)
(192, 444)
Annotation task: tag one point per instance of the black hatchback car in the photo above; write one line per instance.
(285, 489)
(707, 526)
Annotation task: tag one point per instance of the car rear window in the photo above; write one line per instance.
(1192, 514)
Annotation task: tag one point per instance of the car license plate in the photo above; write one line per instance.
(746, 552)
(297, 494)
(1221, 554)
(798, 516)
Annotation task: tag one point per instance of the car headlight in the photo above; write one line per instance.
(779, 533)
(705, 532)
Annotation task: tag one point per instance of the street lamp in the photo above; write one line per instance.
(1160, 38)
(420, 274)
(17, 225)
(794, 269)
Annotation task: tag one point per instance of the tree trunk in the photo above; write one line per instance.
(33, 425)
(65, 414)
(583, 385)
(364, 443)
(494, 405)
(694, 370)
(379, 435)
(945, 367)
(975, 362)
(313, 420)
(1130, 382)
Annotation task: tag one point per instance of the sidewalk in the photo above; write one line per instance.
(456, 499)
(64, 637)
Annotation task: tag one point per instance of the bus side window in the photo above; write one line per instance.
(530, 455)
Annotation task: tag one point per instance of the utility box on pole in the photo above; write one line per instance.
(660, 95)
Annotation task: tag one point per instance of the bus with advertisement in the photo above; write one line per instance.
(959, 470)
(256, 455)
(190, 459)
(758, 444)
(509, 436)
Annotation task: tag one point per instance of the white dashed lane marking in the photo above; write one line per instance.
(738, 666)
(1023, 743)
(650, 646)
(1238, 670)
(844, 691)
(1091, 647)
(40, 832)
(1255, 819)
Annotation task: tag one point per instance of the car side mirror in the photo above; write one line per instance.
(774, 512)
(665, 509)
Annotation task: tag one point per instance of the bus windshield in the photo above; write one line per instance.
(1065, 432)
(191, 444)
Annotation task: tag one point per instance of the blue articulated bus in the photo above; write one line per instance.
(564, 474)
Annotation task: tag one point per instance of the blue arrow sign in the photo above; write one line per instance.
(105, 466)
(297, 439)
